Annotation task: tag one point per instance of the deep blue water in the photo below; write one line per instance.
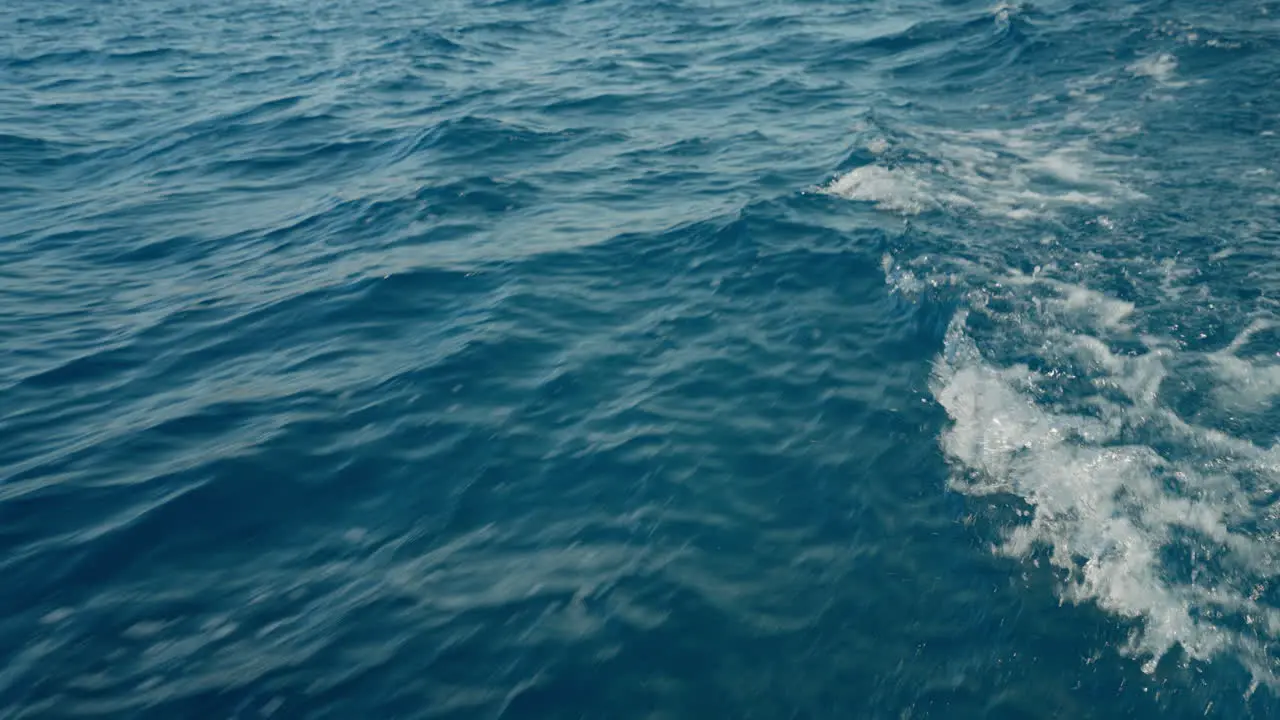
(610, 359)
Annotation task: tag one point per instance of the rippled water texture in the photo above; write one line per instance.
(613, 359)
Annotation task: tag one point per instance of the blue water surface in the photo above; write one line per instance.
(610, 359)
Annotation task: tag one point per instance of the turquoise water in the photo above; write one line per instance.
(606, 359)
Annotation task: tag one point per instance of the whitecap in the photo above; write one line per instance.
(896, 190)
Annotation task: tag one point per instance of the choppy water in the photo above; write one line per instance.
(613, 359)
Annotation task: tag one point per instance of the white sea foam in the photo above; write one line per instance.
(1016, 173)
(897, 190)
(1248, 384)
(1022, 172)
(1071, 403)
(1003, 12)
(1114, 514)
(1160, 68)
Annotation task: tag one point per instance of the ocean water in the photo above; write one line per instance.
(610, 359)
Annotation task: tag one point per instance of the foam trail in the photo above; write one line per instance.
(1127, 527)
(1015, 174)
(1080, 407)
